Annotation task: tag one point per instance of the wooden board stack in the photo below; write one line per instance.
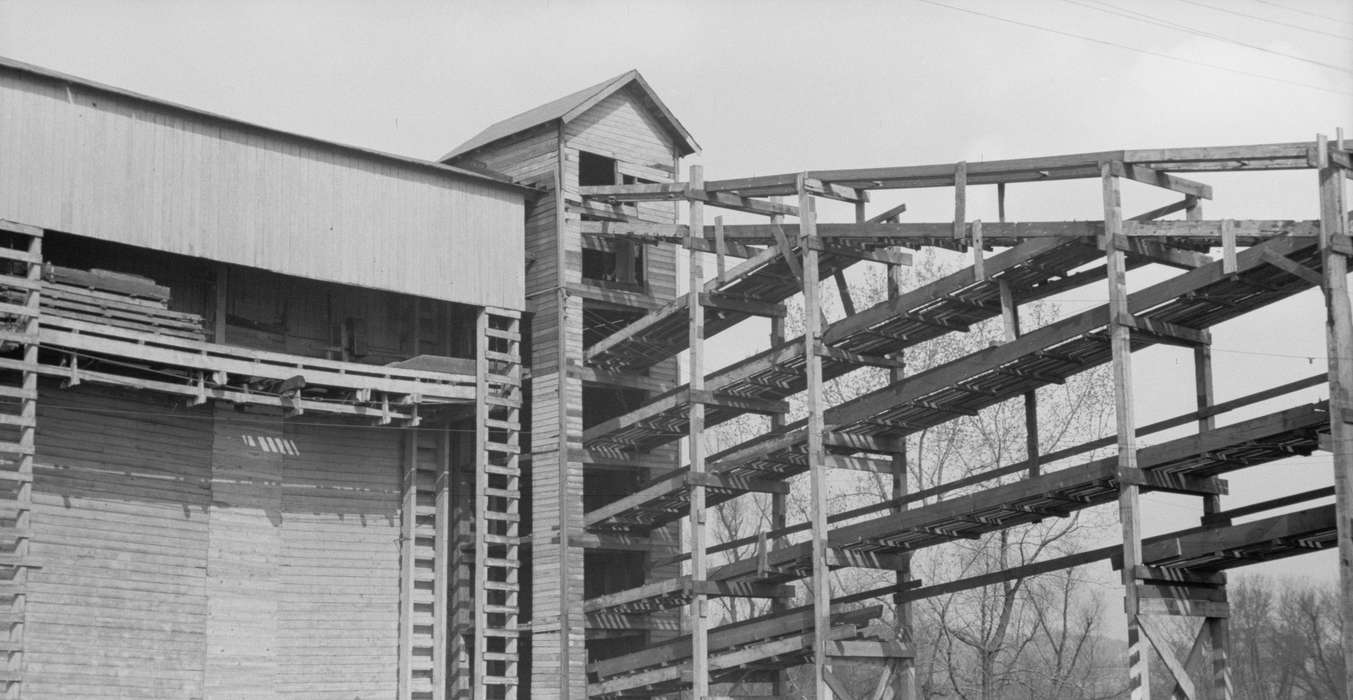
(115, 299)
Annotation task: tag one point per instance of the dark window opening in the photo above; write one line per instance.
(595, 170)
(620, 263)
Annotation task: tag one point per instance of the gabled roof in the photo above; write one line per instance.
(9, 65)
(571, 106)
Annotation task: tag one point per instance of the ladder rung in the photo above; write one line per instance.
(498, 447)
(499, 680)
(500, 333)
(502, 586)
(17, 282)
(509, 517)
(29, 309)
(501, 470)
(502, 424)
(19, 420)
(500, 609)
(18, 392)
(501, 539)
(502, 493)
(20, 255)
(499, 656)
(504, 634)
(502, 401)
(14, 336)
(502, 563)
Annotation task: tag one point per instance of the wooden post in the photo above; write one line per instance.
(696, 382)
(1217, 628)
(478, 663)
(1129, 514)
(408, 506)
(904, 678)
(1339, 343)
(222, 299)
(1010, 312)
(812, 319)
(960, 200)
(779, 507)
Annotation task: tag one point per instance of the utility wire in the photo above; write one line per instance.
(1262, 19)
(1148, 52)
(1139, 17)
(1327, 18)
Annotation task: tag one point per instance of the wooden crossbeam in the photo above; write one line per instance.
(1145, 175)
(726, 302)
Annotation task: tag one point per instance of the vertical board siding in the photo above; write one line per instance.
(339, 597)
(243, 555)
(620, 127)
(208, 553)
(120, 503)
(132, 172)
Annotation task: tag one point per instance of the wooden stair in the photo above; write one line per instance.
(497, 505)
(20, 286)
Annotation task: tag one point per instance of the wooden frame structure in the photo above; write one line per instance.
(1260, 262)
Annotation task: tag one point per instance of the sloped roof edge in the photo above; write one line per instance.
(571, 106)
(475, 173)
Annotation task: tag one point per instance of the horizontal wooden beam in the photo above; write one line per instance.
(728, 302)
(1141, 173)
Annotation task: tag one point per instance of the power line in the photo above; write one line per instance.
(1148, 52)
(1139, 17)
(1262, 19)
(1327, 18)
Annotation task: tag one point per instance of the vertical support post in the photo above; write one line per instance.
(408, 508)
(979, 268)
(1217, 628)
(696, 382)
(1010, 311)
(481, 498)
(563, 455)
(1010, 321)
(1339, 343)
(960, 200)
(1129, 514)
(441, 577)
(719, 247)
(812, 317)
(904, 678)
(779, 507)
(222, 297)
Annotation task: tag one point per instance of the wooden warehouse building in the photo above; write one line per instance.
(268, 430)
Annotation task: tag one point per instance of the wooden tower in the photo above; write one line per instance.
(579, 289)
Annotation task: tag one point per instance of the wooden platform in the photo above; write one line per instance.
(1178, 310)
(1183, 465)
(753, 288)
(764, 643)
(1032, 271)
(81, 351)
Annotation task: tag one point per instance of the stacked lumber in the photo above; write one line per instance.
(115, 299)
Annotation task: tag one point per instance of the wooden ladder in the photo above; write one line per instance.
(497, 504)
(20, 295)
(425, 556)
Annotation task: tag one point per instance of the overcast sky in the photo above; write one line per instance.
(786, 86)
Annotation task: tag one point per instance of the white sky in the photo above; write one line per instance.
(785, 86)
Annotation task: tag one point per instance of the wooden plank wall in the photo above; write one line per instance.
(131, 171)
(619, 127)
(339, 579)
(244, 554)
(121, 496)
(210, 553)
